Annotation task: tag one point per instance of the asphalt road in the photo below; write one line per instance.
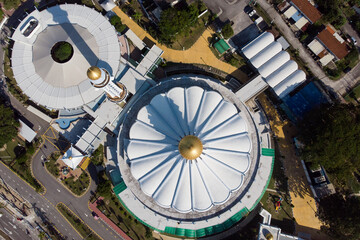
(56, 192)
(12, 227)
(37, 201)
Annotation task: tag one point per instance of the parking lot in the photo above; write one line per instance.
(233, 10)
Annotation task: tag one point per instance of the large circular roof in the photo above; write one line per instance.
(63, 85)
(218, 164)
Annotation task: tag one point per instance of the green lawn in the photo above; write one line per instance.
(97, 157)
(283, 218)
(9, 153)
(116, 212)
(353, 95)
(78, 186)
(51, 166)
(185, 41)
(22, 164)
(78, 224)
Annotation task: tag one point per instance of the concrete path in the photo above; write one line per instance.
(199, 53)
(304, 204)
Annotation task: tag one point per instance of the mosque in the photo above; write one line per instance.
(194, 159)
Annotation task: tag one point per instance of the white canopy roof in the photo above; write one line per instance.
(72, 157)
(63, 86)
(173, 181)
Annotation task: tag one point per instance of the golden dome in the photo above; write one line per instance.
(94, 73)
(269, 236)
(190, 147)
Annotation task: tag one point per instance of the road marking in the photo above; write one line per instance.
(8, 231)
(58, 190)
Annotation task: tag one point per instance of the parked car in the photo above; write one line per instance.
(353, 40)
(248, 9)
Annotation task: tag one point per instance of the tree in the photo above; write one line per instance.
(227, 31)
(331, 138)
(10, 4)
(341, 216)
(332, 12)
(8, 124)
(174, 22)
(116, 22)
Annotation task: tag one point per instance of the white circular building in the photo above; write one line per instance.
(190, 153)
(63, 85)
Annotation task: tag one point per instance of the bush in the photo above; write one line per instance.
(116, 22)
(9, 4)
(227, 31)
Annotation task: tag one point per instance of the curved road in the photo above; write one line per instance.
(56, 193)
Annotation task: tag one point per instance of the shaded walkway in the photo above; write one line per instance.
(199, 53)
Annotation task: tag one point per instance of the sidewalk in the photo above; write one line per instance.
(199, 53)
(304, 204)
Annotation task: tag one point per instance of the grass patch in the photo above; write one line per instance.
(51, 164)
(116, 212)
(353, 95)
(18, 156)
(185, 41)
(80, 185)
(77, 187)
(283, 218)
(78, 224)
(97, 157)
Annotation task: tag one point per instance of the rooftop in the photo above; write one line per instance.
(327, 37)
(309, 10)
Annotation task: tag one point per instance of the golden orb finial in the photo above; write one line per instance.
(70, 157)
(190, 147)
(269, 236)
(94, 73)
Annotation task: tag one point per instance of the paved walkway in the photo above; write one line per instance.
(304, 204)
(199, 53)
(107, 220)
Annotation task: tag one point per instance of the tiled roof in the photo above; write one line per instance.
(307, 9)
(339, 49)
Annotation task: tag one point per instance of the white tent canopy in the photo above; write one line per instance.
(72, 157)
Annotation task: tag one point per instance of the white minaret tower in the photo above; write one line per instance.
(100, 78)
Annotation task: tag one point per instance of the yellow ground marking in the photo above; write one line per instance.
(199, 53)
(304, 203)
(77, 217)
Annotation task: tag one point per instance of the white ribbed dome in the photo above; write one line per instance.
(173, 181)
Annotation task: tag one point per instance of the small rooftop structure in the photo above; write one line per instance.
(307, 9)
(150, 60)
(221, 46)
(26, 132)
(135, 39)
(333, 42)
(266, 231)
(252, 89)
(107, 5)
(73, 157)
